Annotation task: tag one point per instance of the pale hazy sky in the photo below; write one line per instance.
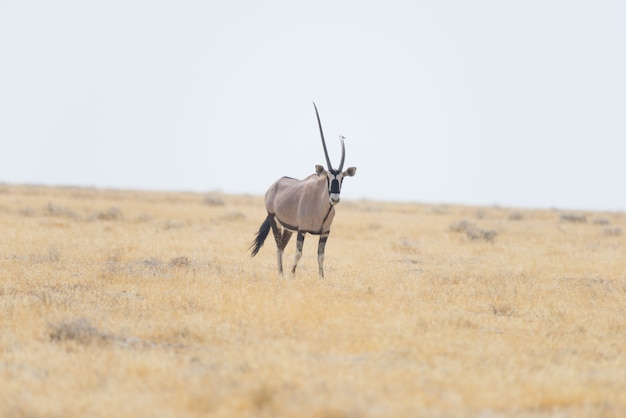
(480, 102)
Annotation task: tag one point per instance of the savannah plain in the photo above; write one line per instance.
(148, 304)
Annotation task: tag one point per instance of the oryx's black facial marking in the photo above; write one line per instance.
(334, 179)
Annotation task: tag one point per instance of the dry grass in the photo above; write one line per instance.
(138, 304)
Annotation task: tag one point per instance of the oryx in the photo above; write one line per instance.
(303, 206)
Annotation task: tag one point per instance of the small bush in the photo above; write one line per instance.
(573, 218)
(79, 330)
(60, 211)
(477, 234)
(460, 226)
(111, 214)
(180, 261)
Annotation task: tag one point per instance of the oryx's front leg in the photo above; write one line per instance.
(299, 245)
(320, 253)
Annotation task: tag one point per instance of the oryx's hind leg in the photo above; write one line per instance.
(320, 253)
(299, 245)
(282, 236)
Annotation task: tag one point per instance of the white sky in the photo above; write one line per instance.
(477, 102)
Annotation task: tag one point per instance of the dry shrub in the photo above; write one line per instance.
(60, 211)
(478, 234)
(180, 261)
(472, 232)
(80, 330)
(573, 218)
(111, 214)
(460, 226)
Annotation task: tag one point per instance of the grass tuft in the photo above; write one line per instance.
(503, 309)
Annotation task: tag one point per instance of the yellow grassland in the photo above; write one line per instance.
(147, 304)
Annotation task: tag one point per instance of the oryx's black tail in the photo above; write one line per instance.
(260, 236)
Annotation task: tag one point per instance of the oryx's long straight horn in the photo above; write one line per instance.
(319, 123)
(303, 206)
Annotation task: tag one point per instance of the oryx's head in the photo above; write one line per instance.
(334, 178)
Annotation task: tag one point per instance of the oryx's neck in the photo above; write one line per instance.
(316, 212)
(324, 208)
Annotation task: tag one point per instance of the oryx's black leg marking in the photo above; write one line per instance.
(285, 239)
(299, 245)
(283, 243)
(320, 253)
(282, 238)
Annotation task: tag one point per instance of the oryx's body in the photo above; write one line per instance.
(303, 206)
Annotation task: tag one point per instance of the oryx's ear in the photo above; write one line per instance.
(320, 170)
(350, 172)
